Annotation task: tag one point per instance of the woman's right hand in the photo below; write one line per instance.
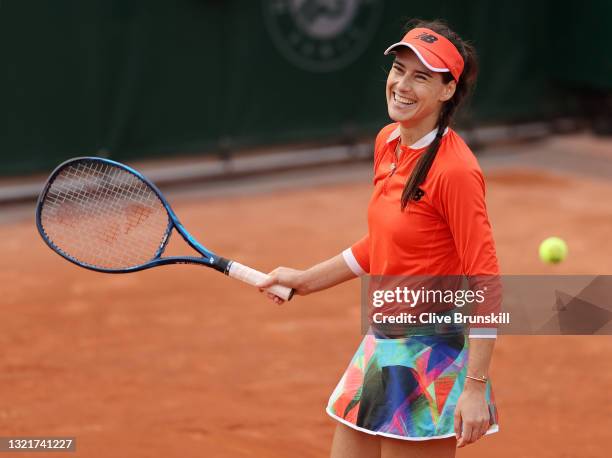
(291, 278)
(319, 277)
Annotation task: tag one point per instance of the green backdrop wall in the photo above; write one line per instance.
(150, 78)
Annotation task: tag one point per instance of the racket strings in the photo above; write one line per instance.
(102, 215)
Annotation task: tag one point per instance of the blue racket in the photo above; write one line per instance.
(107, 217)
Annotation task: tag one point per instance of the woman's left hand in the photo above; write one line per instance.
(471, 414)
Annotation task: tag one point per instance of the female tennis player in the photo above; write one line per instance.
(416, 395)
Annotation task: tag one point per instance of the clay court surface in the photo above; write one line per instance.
(182, 362)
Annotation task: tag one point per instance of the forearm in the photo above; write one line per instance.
(325, 275)
(479, 359)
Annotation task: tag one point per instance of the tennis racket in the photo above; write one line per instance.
(107, 217)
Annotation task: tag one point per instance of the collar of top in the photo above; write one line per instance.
(436, 52)
(420, 143)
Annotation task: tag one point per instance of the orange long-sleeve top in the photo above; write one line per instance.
(446, 232)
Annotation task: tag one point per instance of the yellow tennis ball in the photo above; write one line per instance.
(553, 250)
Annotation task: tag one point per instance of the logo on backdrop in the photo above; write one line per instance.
(322, 35)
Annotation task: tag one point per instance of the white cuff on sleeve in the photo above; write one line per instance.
(352, 263)
(483, 333)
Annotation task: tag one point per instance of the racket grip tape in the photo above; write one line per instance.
(253, 277)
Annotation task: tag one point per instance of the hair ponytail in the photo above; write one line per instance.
(449, 108)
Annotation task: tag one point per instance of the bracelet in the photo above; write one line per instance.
(482, 379)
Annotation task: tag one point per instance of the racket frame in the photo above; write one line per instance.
(208, 258)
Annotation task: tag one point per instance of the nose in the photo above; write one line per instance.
(404, 83)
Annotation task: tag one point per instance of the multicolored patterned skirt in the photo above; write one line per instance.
(405, 388)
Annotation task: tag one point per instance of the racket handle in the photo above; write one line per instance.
(253, 277)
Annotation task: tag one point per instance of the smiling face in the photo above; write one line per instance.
(415, 94)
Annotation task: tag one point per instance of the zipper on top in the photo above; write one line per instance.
(392, 167)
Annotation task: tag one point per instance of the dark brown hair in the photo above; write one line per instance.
(449, 108)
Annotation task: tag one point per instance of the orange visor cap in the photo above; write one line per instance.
(436, 52)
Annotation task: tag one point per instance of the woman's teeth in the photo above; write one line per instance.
(403, 100)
